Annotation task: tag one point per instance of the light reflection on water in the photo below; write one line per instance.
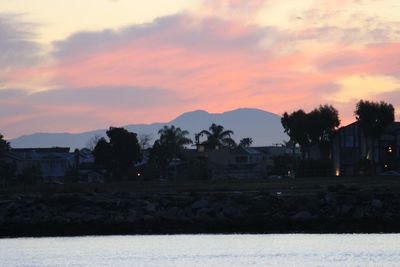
(204, 250)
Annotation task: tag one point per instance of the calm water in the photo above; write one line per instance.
(204, 250)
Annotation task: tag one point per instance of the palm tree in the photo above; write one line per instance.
(218, 137)
(174, 139)
(245, 142)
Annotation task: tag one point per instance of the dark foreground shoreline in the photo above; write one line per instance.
(340, 210)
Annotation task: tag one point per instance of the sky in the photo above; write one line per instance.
(79, 65)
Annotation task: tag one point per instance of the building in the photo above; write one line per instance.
(238, 162)
(51, 164)
(352, 151)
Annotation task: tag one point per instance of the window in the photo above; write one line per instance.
(349, 137)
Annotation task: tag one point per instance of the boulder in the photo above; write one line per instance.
(231, 211)
(302, 216)
(148, 217)
(151, 208)
(358, 213)
(376, 203)
(173, 211)
(200, 204)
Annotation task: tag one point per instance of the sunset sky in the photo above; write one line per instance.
(76, 65)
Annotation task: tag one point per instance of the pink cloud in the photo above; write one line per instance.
(373, 59)
(183, 63)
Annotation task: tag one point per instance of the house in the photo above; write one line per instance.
(84, 156)
(352, 151)
(238, 162)
(52, 164)
(87, 171)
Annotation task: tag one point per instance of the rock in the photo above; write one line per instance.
(119, 219)
(151, 208)
(173, 211)
(161, 214)
(343, 210)
(231, 212)
(203, 212)
(330, 198)
(358, 213)
(200, 204)
(5, 202)
(376, 203)
(302, 216)
(217, 206)
(148, 217)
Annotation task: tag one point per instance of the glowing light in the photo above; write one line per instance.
(337, 172)
(390, 149)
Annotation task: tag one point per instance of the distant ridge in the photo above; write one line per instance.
(263, 127)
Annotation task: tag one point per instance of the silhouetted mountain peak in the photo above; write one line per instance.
(262, 126)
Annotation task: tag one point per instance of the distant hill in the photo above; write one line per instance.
(262, 126)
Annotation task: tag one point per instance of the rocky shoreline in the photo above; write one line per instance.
(340, 210)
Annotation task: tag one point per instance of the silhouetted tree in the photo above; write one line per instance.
(92, 142)
(245, 142)
(321, 126)
(173, 139)
(124, 146)
(4, 145)
(171, 142)
(373, 117)
(7, 170)
(102, 152)
(295, 126)
(218, 137)
(314, 128)
(120, 153)
(144, 140)
(159, 155)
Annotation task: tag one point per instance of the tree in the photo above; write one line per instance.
(218, 137)
(173, 139)
(144, 140)
(120, 153)
(322, 124)
(245, 142)
(92, 142)
(7, 170)
(168, 147)
(125, 147)
(295, 126)
(102, 152)
(4, 145)
(314, 128)
(373, 117)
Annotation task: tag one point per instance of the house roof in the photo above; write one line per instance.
(42, 149)
(42, 153)
(391, 128)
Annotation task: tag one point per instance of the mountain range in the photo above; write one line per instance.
(263, 127)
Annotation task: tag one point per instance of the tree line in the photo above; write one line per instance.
(317, 128)
(121, 149)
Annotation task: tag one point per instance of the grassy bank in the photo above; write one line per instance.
(287, 186)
